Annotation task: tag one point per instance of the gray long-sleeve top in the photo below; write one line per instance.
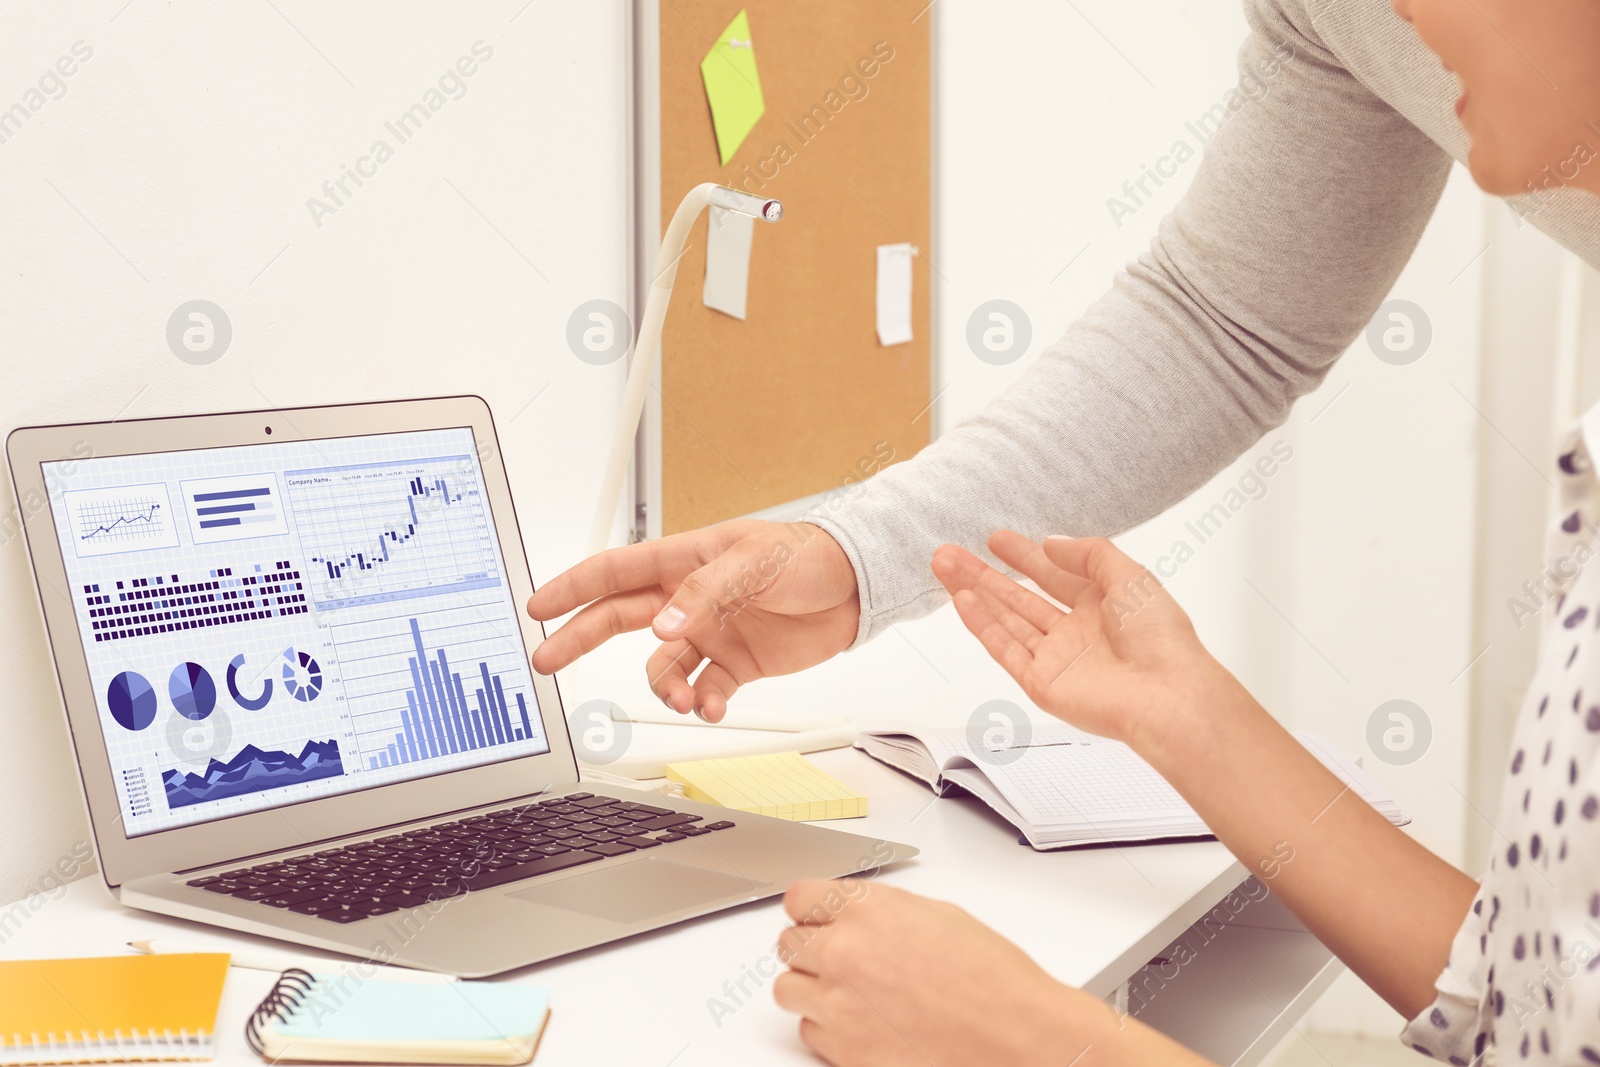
(1308, 202)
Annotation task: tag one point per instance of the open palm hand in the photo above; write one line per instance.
(1119, 662)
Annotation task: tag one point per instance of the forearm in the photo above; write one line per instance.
(1137, 1045)
(1307, 203)
(1385, 905)
(1091, 1033)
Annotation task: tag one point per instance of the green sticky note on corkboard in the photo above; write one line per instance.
(733, 88)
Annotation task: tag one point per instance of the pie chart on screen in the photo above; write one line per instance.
(193, 692)
(131, 701)
(302, 675)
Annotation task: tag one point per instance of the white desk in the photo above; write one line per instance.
(1091, 917)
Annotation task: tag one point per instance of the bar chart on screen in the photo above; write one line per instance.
(233, 508)
(375, 533)
(436, 684)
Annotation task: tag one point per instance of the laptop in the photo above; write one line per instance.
(295, 666)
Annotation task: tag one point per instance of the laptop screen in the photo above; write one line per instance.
(275, 623)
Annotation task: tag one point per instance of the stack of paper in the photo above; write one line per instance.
(784, 785)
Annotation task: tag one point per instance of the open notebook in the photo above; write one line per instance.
(1067, 787)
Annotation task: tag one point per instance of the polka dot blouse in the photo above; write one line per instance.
(1523, 981)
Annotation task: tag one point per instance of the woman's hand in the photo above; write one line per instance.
(886, 978)
(736, 602)
(1123, 663)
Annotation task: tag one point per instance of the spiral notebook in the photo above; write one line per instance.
(348, 1019)
(116, 1009)
(1065, 788)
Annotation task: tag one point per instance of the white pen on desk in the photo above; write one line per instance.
(277, 962)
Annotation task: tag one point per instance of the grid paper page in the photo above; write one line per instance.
(1086, 784)
(784, 785)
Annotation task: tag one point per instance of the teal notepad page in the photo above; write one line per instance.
(345, 1008)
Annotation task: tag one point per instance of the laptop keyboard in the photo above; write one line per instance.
(406, 870)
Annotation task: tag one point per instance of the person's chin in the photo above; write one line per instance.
(1495, 176)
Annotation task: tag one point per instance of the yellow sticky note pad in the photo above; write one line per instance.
(784, 785)
(733, 88)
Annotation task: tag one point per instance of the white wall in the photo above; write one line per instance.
(178, 165)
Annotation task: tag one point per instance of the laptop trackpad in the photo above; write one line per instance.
(640, 890)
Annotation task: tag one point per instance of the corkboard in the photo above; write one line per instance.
(795, 400)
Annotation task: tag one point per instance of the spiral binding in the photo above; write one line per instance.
(288, 993)
(98, 1046)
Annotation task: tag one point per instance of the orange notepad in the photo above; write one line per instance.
(115, 1009)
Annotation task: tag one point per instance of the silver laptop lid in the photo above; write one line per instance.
(273, 628)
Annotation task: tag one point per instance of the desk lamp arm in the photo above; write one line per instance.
(647, 341)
